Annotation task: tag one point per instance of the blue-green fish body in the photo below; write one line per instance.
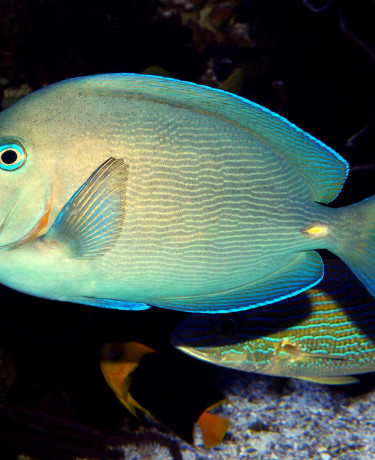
(324, 335)
(125, 191)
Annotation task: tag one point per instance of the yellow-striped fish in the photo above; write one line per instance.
(324, 335)
(124, 191)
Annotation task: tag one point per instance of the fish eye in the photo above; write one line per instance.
(226, 325)
(115, 351)
(12, 156)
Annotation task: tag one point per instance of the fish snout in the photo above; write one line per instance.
(17, 227)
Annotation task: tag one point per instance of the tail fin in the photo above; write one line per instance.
(355, 243)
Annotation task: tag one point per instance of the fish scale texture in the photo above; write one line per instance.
(224, 206)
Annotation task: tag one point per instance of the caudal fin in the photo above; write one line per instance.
(355, 243)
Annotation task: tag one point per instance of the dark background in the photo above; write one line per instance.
(311, 61)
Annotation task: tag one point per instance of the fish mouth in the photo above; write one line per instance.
(191, 350)
(37, 229)
(201, 353)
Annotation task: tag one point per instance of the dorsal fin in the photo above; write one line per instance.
(323, 170)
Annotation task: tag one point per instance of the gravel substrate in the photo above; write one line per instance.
(285, 419)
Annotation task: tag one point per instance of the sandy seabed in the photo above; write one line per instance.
(284, 419)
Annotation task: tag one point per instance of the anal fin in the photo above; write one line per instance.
(301, 272)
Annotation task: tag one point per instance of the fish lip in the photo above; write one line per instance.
(36, 230)
(201, 353)
(188, 349)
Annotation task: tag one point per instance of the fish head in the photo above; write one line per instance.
(220, 339)
(26, 174)
(43, 160)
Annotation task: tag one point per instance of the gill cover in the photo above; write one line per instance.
(25, 195)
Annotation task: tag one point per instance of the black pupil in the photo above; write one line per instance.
(9, 157)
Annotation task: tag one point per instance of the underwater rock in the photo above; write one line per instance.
(239, 34)
(14, 94)
(221, 14)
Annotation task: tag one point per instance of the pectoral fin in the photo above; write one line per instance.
(91, 221)
(297, 353)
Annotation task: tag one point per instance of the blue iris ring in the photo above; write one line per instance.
(12, 156)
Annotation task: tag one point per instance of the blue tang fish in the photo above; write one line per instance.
(125, 191)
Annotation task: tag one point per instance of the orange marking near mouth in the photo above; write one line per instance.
(40, 228)
(37, 230)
